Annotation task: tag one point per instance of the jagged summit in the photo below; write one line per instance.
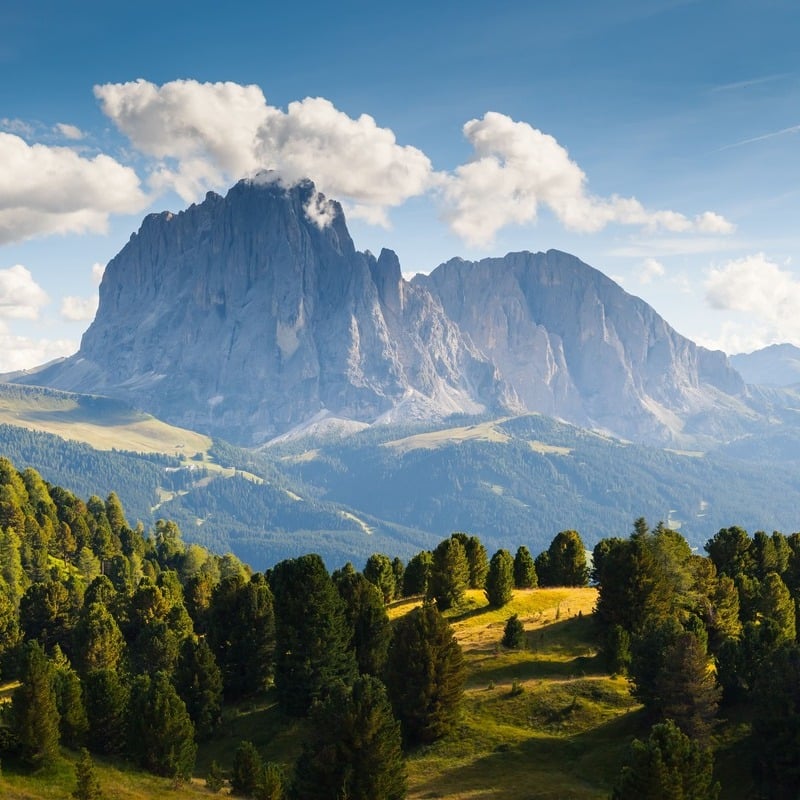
(250, 315)
(246, 315)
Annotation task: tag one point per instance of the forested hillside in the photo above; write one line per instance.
(451, 674)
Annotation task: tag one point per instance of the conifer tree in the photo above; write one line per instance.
(500, 579)
(379, 572)
(88, 787)
(34, 708)
(106, 696)
(514, 633)
(449, 574)
(312, 636)
(99, 643)
(74, 724)
(199, 683)
(246, 771)
(524, 569)
(415, 578)
(355, 750)
(668, 766)
(425, 674)
(566, 561)
(160, 732)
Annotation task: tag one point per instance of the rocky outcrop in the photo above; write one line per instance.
(243, 317)
(573, 344)
(247, 318)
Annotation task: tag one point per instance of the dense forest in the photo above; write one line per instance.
(127, 643)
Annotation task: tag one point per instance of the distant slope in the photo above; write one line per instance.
(100, 422)
(776, 365)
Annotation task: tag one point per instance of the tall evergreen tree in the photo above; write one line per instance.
(415, 578)
(160, 732)
(312, 637)
(355, 748)
(449, 575)
(379, 572)
(524, 569)
(500, 580)
(106, 696)
(246, 771)
(199, 683)
(74, 724)
(566, 561)
(425, 674)
(776, 724)
(34, 708)
(668, 766)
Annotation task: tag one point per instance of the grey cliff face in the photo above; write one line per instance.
(242, 317)
(573, 344)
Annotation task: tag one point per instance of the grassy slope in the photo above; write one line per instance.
(545, 723)
(101, 423)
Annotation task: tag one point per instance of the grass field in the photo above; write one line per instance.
(546, 722)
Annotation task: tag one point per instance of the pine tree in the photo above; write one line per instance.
(106, 696)
(74, 724)
(312, 636)
(99, 643)
(524, 569)
(776, 723)
(379, 572)
(247, 769)
(366, 614)
(34, 708)
(415, 578)
(88, 784)
(514, 633)
(478, 560)
(449, 574)
(199, 683)
(425, 674)
(160, 731)
(566, 563)
(668, 766)
(500, 580)
(355, 750)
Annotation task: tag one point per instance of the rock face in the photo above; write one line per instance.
(242, 317)
(573, 344)
(245, 317)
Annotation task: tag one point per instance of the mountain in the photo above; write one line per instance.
(573, 344)
(243, 317)
(252, 316)
(776, 365)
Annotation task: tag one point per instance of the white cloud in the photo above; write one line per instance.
(768, 297)
(208, 134)
(20, 296)
(98, 270)
(54, 190)
(651, 268)
(20, 352)
(78, 309)
(517, 169)
(69, 131)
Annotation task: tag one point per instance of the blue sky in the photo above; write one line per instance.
(657, 141)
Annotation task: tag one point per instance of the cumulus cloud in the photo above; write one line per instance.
(20, 296)
(78, 309)
(55, 190)
(516, 169)
(20, 352)
(69, 131)
(767, 295)
(651, 269)
(207, 134)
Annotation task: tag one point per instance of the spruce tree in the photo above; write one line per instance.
(500, 579)
(668, 766)
(160, 731)
(514, 633)
(415, 578)
(425, 674)
(246, 771)
(566, 563)
(199, 683)
(106, 695)
(88, 787)
(312, 636)
(74, 723)
(355, 748)
(449, 574)
(379, 571)
(524, 569)
(34, 708)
